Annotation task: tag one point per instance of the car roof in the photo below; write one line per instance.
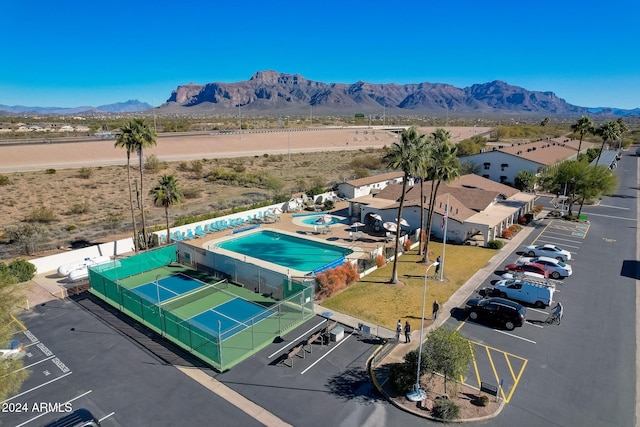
(547, 258)
(503, 301)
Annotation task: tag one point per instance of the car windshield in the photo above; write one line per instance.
(561, 264)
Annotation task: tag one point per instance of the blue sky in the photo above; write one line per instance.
(73, 53)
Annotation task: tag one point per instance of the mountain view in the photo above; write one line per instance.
(270, 92)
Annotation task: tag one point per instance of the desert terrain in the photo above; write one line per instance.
(83, 185)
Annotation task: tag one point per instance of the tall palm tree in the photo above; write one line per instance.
(421, 171)
(402, 156)
(609, 131)
(126, 140)
(165, 194)
(583, 126)
(144, 137)
(444, 166)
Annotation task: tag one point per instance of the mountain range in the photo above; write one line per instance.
(272, 93)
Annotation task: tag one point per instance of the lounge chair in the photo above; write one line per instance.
(200, 232)
(190, 234)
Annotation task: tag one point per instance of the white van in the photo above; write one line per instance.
(536, 292)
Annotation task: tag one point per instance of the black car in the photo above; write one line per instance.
(497, 310)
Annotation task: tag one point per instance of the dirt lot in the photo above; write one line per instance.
(87, 183)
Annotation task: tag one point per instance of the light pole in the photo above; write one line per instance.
(417, 394)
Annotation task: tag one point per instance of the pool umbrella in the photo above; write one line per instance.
(403, 222)
(391, 226)
(357, 224)
(376, 217)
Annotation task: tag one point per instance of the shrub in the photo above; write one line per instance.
(50, 171)
(336, 279)
(71, 227)
(446, 409)
(537, 208)
(22, 270)
(513, 228)
(482, 400)
(85, 173)
(80, 208)
(523, 220)
(153, 165)
(380, 261)
(506, 233)
(495, 244)
(407, 245)
(183, 167)
(42, 214)
(4, 180)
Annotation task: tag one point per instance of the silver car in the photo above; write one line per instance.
(548, 250)
(556, 268)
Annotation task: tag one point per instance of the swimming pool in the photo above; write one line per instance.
(283, 249)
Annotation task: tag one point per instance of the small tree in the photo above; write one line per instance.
(525, 180)
(447, 352)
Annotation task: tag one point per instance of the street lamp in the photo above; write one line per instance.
(417, 394)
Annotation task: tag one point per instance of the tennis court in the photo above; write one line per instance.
(220, 322)
(226, 320)
(167, 288)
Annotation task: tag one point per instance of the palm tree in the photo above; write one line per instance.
(144, 137)
(583, 126)
(125, 140)
(609, 131)
(402, 156)
(444, 166)
(165, 194)
(421, 171)
(623, 128)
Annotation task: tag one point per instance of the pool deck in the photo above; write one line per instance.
(338, 234)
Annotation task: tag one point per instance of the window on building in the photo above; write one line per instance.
(484, 176)
(487, 166)
(504, 166)
(503, 179)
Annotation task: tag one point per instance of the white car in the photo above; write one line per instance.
(548, 250)
(556, 268)
(15, 351)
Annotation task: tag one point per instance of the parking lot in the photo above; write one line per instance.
(556, 374)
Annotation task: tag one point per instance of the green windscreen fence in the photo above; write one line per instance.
(173, 317)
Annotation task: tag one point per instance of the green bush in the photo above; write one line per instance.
(4, 180)
(153, 165)
(446, 409)
(21, 270)
(71, 227)
(50, 171)
(495, 244)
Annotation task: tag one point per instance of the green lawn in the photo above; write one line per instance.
(375, 301)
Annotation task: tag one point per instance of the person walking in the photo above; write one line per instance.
(407, 332)
(439, 263)
(558, 312)
(398, 330)
(436, 307)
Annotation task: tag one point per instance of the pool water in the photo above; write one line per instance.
(285, 250)
(317, 220)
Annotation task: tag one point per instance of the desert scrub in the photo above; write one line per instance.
(42, 214)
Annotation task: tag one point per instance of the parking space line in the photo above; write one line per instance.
(515, 336)
(106, 416)
(294, 340)
(555, 239)
(36, 363)
(508, 359)
(48, 412)
(37, 387)
(328, 352)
